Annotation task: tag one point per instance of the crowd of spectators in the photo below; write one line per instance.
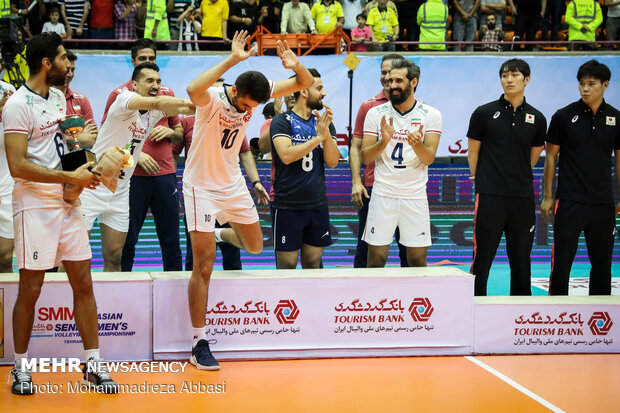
(372, 25)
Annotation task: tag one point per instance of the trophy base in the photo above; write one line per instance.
(73, 160)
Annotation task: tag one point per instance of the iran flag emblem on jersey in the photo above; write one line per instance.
(529, 118)
(610, 121)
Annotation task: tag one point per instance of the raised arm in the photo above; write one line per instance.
(303, 80)
(168, 104)
(197, 89)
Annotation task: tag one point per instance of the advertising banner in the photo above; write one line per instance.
(256, 314)
(547, 325)
(124, 310)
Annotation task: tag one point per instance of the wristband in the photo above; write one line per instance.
(258, 181)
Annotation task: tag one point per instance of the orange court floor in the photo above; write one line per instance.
(528, 383)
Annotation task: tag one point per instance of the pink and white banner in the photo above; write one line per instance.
(547, 325)
(325, 313)
(124, 310)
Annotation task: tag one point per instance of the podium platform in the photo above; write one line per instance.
(269, 314)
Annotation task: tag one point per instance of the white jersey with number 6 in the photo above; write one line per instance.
(213, 160)
(123, 126)
(399, 173)
(31, 114)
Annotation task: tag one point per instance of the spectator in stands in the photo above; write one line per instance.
(214, 16)
(384, 24)
(243, 15)
(361, 35)
(141, 18)
(33, 18)
(528, 17)
(464, 23)
(489, 32)
(351, 9)
(75, 16)
(125, 12)
(613, 19)
(552, 16)
(102, 22)
(189, 27)
(433, 21)
(175, 9)
(327, 15)
(270, 12)
(374, 3)
(156, 25)
(54, 25)
(583, 18)
(154, 183)
(407, 11)
(78, 104)
(495, 7)
(296, 18)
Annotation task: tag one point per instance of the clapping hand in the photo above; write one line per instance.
(415, 138)
(323, 122)
(387, 129)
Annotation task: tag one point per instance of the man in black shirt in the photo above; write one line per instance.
(303, 143)
(269, 15)
(506, 138)
(586, 132)
(242, 16)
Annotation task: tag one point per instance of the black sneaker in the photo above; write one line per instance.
(96, 375)
(202, 357)
(21, 382)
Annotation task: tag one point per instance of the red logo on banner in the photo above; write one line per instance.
(421, 309)
(286, 311)
(600, 323)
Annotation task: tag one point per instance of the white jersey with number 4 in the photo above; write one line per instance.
(123, 126)
(31, 114)
(6, 182)
(399, 173)
(213, 159)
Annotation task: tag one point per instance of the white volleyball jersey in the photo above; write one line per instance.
(29, 113)
(213, 160)
(123, 126)
(6, 181)
(399, 173)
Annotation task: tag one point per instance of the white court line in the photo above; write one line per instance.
(516, 385)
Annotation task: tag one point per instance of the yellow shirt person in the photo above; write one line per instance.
(213, 13)
(328, 15)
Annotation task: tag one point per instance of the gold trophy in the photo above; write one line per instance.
(73, 125)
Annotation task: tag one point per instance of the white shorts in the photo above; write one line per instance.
(411, 216)
(47, 236)
(203, 207)
(109, 208)
(6, 216)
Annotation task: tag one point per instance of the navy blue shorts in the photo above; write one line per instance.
(292, 228)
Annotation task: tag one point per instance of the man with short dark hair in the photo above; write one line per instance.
(402, 136)
(505, 138)
(154, 181)
(48, 230)
(361, 186)
(585, 133)
(130, 120)
(213, 186)
(303, 143)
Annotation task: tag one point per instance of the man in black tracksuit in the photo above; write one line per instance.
(506, 138)
(586, 132)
